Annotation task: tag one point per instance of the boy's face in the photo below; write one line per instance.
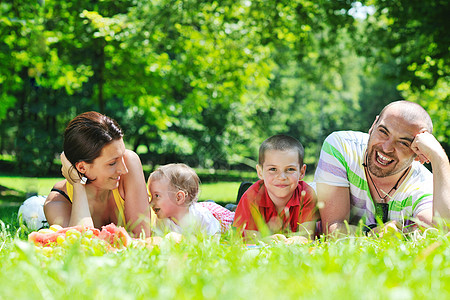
(163, 198)
(281, 172)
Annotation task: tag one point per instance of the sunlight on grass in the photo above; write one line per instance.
(42, 186)
(219, 191)
(405, 267)
(201, 268)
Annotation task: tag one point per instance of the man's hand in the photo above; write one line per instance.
(427, 147)
(387, 229)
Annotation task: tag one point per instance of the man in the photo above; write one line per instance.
(379, 177)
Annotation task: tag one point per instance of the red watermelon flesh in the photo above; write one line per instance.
(115, 236)
(44, 239)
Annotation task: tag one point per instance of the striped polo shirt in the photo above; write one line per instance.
(340, 164)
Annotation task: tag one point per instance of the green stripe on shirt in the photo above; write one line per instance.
(420, 200)
(328, 148)
(400, 205)
(353, 178)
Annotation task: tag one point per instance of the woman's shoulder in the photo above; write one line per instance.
(132, 183)
(61, 185)
(132, 161)
(130, 155)
(58, 192)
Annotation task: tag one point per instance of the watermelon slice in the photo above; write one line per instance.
(45, 238)
(115, 236)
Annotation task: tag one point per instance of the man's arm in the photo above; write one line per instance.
(430, 150)
(334, 207)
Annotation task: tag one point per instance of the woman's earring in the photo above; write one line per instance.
(83, 180)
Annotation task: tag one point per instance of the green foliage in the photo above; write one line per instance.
(205, 82)
(411, 38)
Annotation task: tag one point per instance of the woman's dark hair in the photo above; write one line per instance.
(87, 134)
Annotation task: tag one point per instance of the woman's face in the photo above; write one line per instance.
(107, 169)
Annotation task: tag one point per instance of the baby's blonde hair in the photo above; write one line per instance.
(181, 177)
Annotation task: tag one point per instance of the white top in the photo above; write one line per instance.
(198, 220)
(340, 164)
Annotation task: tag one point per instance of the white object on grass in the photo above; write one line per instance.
(32, 212)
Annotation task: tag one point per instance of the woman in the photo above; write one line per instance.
(104, 181)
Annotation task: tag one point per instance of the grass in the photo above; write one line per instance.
(16, 188)
(395, 267)
(200, 268)
(29, 184)
(219, 191)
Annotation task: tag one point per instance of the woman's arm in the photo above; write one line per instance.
(58, 210)
(135, 194)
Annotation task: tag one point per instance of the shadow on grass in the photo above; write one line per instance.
(10, 197)
(10, 201)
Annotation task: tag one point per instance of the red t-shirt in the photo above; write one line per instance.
(298, 209)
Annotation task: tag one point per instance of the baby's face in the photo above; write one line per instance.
(163, 198)
(281, 172)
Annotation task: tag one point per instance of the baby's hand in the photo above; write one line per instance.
(276, 238)
(174, 237)
(296, 239)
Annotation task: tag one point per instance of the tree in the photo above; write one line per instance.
(412, 37)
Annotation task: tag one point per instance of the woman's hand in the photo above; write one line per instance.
(68, 171)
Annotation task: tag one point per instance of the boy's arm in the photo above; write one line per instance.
(242, 217)
(309, 213)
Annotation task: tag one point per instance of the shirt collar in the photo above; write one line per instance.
(265, 199)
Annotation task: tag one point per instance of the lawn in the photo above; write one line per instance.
(395, 267)
(202, 268)
(13, 190)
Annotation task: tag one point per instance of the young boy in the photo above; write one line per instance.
(281, 200)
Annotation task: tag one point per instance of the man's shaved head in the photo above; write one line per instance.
(410, 111)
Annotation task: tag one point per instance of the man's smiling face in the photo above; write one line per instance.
(389, 147)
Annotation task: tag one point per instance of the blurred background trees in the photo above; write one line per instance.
(205, 82)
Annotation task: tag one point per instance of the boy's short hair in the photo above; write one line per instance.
(181, 177)
(281, 142)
